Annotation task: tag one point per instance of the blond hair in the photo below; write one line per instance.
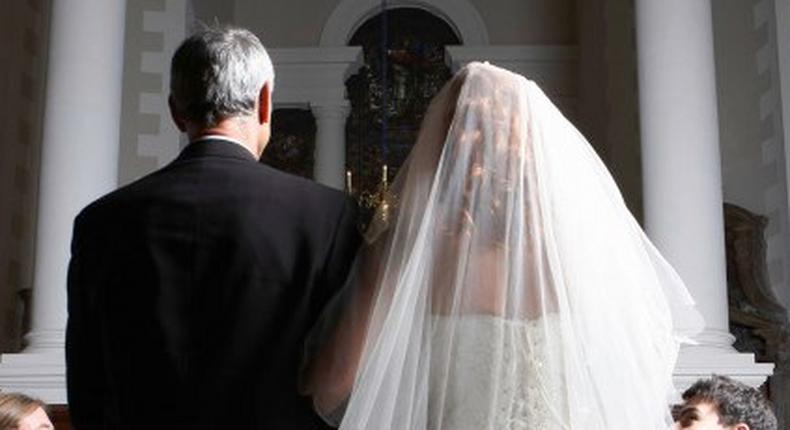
(14, 407)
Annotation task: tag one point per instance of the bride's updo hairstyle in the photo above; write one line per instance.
(485, 141)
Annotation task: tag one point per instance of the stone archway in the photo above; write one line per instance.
(349, 15)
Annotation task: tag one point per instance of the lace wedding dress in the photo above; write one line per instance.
(474, 398)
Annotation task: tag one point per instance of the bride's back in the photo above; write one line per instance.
(509, 287)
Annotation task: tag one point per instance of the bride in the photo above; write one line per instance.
(506, 287)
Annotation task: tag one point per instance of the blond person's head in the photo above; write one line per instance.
(20, 412)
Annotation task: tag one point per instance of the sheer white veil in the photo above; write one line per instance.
(503, 212)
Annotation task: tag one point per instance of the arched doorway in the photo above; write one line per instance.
(391, 91)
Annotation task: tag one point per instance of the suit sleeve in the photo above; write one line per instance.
(342, 252)
(333, 348)
(85, 373)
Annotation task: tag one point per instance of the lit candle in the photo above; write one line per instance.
(384, 174)
(348, 182)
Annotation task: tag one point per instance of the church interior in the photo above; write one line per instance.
(687, 104)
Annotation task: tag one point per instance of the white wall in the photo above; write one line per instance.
(750, 123)
(284, 23)
(212, 12)
(539, 22)
(149, 139)
(24, 29)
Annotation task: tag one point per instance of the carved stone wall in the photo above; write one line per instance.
(757, 320)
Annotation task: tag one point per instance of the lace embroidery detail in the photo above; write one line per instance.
(503, 375)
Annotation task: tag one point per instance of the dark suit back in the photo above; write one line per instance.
(191, 292)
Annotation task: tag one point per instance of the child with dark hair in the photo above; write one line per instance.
(721, 403)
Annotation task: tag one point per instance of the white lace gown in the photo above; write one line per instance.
(533, 393)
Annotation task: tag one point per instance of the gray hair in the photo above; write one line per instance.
(218, 73)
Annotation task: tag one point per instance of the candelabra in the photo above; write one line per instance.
(381, 202)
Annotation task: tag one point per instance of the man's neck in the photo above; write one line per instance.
(231, 129)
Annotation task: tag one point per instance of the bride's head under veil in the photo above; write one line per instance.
(509, 288)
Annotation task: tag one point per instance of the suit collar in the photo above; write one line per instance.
(216, 148)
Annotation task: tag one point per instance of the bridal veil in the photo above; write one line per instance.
(506, 287)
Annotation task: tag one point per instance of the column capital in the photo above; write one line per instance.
(314, 75)
(326, 111)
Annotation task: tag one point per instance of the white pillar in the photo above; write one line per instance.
(682, 168)
(680, 147)
(79, 162)
(330, 144)
(316, 77)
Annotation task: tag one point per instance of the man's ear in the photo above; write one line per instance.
(265, 105)
(176, 115)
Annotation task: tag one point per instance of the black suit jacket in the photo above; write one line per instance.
(191, 291)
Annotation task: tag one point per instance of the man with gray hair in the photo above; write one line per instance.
(192, 289)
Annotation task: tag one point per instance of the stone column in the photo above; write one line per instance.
(79, 162)
(330, 144)
(680, 147)
(316, 77)
(682, 170)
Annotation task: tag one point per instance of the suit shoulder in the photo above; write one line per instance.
(115, 198)
(97, 207)
(309, 190)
